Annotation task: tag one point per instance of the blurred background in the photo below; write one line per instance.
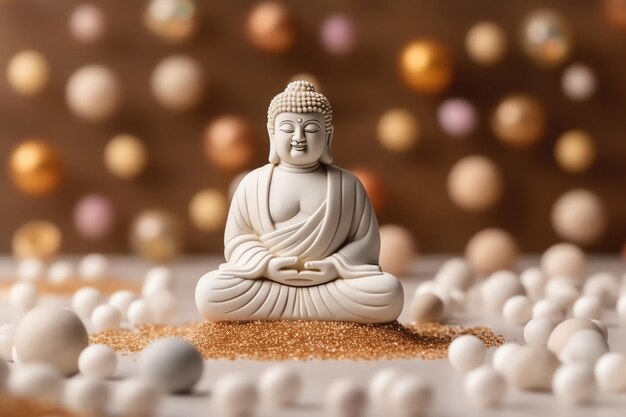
(123, 124)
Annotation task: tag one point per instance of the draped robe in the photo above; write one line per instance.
(344, 228)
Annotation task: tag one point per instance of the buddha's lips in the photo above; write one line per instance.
(298, 146)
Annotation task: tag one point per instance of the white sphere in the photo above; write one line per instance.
(60, 272)
(427, 308)
(532, 368)
(280, 386)
(135, 398)
(455, 273)
(549, 309)
(139, 312)
(105, 317)
(518, 310)
(51, 335)
(409, 396)
(621, 308)
(584, 346)
(122, 300)
(588, 307)
(97, 362)
(562, 333)
(484, 387)
(172, 363)
(31, 269)
(93, 93)
(498, 288)
(610, 372)
(163, 305)
(23, 296)
(7, 338)
(345, 398)
(578, 82)
(157, 278)
(566, 260)
(603, 285)
(573, 384)
(534, 282)
(537, 331)
(378, 387)
(579, 216)
(87, 23)
(93, 267)
(36, 380)
(466, 352)
(85, 300)
(235, 395)
(561, 290)
(86, 396)
(177, 83)
(503, 355)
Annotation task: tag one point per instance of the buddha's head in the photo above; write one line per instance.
(300, 126)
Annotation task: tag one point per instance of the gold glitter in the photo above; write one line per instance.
(302, 340)
(107, 285)
(22, 407)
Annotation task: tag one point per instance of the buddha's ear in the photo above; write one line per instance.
(327, 156)
(273, 158)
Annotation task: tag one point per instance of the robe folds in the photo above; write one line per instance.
(344, 228)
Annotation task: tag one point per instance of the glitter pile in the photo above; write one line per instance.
(22, 407)
(302, 340)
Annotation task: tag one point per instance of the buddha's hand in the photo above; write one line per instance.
(277, 269)
(320, 271)
(252, 271)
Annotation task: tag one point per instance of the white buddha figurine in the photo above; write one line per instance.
(301, 239)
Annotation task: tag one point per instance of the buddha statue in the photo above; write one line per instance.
(301, 238)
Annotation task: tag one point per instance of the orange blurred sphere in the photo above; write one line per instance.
(229, 142)
(615, 13)
(374, 187)
(39, 239)
(270, 27)
(35, 167)
(519, 120)
(426, 66)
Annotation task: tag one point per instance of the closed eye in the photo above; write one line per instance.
(286, 128)
(311, 128)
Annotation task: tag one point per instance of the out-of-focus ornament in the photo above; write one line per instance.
(125, 156)
(38, 239)
(457, 117)
(208, 209)
(519, 120)
(491, 250)
(426, 66)
(398, 130)
(337, 34)
(579, 216)
(546, 37)
(35, 167)
(28, 72)
(475, 183)
(156, 234)
(229, 142)
(178, 83)
(575, 151)
(615, 13)
(374, 187)
(172, 20)
(93, 93)
(398, 250)
(578, 82)
(271, 28)
(94, 216)
(87, 23)
(485, 43)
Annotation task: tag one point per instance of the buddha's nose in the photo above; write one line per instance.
(298, 135)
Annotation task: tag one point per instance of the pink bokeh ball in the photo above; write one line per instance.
(94, 216)
(337, 34)
(457, 117)
(87, 23)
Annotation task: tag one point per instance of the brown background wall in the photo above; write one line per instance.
(361, 86)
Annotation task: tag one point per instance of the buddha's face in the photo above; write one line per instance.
(300, 138)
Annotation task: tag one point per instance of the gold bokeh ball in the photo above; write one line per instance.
(156, 235)
(36, 239)
(28, 72)
(519, 120)
(547, 38)
(579, 216)
(485, 43)
(270, 27)
(35, 167)
(575, 151)
(426, 66)
(398, 130)
(125, 156)
(229, 142)
(491, 250)
(208, 209)
(475, 183)
(172, 20)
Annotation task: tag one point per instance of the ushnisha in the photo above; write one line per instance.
(301, 239)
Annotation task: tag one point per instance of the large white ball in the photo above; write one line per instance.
(409, 396)
(565, 260)
(466, 353)
(235, 395)
(280, 386)
(97, 362)
(86, 396)
(573, 384)
(610, 372)
(484, 387)
(36, 380)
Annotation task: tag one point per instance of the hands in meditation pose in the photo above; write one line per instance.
(301, 239)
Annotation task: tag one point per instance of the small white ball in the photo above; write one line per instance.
(532, 368)
(455, 273)
(561, 290)
(139, 312)
(534, 282)
(621, 308)
(86, 396)
(503, 355)
(122, 300)
(578, 82)
(7, 338)
(549, 309)
(85, 301)
(466, 353)
(409, 396)
(537, 331)
(518, 310)
(280, 386)
(427, 308)
(610, 372)
(172, 363)
(135, 398)
(573, 384)
(60, 272)
(163, 305)
(584, 346)
(105, 317)
(31, 269)
(603, 285)
(484, 387)
(157, 278)
(567, 260)
(345, 398)
(235, 395)
(499, 287)
(23, 296)
(93, 267)
(588, 307)
(97, 362)
(378, 388)
(36, 380)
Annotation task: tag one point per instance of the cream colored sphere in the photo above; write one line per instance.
(575, 151)
(485, 43)
(93, 93)
(125, 156)
(491, 250)
(398, 249)
(579, 216)
(475, 183)
(208, 210)
(28, 72)
(398, 130)
(177, 83)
